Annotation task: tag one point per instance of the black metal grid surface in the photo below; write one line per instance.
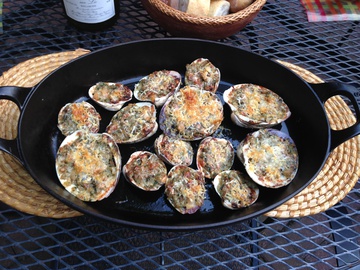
(328, 240)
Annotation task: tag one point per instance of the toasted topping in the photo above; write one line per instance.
(75, 116)
(235, 189)
(145, 170)
(110, 95)
(133, 123)
(270, 157)
(88, 165)
(191, 114)
(214, 156)
(203, 74)
(174, 151)
(157, 86)
(185, 189)
(256, 106)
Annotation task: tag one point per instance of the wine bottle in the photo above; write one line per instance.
(91, 15)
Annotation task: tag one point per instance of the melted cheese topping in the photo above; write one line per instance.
(214, 156)
(203, 74)
(191, 114)
(133, 123)
(258, 104)
(235, 189)
(185, 189)
(174, 151)
(270, 160)
(157, 84)
(88, 165)
(111, 92)
(145, 170)
(75, 116)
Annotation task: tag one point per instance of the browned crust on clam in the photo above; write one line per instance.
(78, 115)
(203, 74)
(214, 155)
(191, 114)
(185, 189)
(133, 123)
(270, 157)
(109, 95)
(254, 106)
(235, 189)
(174, 151)
(145, 170)
(88, 165)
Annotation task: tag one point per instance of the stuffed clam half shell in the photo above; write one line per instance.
(109, 95)
(157, 86)
(174, 151)
(214, 155)
(255, 106)
(133, 123)
(235, 189)
(185, 189)
(270, 157)
(145, 170)
(191, 114)
(88, 165)
(203, 74)
(78, 115)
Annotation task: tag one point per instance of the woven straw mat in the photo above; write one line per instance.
(20, 191)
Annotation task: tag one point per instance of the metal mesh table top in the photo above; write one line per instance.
(329, 240)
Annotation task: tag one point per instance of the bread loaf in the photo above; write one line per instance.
(237, 5)
(195, 7)
(219, 8)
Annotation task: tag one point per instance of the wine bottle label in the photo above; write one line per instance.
(90, 11)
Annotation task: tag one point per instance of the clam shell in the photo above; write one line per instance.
(270, 157)
(145, 170)
(78, 115)
(214, 155)
(157, 86)
(255, 106)
(191, 114)
(88, 165)
(173, 151)
(133, 123)
(185, 189)
(109, 95)
(235, 189)
(203, 74)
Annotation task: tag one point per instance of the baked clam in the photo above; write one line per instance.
(133, 123)
(145, 170)
(78, 115)
(254, 106)
(235, 189)
(157, 86)
(270, 157)
(185, 189)
(109, 95)
(214, 155)
(191, 114)
(88, 165)
(174, 151)
(203, 74)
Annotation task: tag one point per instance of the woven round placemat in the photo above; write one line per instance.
(17, 188)
(341, 170)
(20, 191)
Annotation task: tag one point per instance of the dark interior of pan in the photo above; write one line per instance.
(40, 138)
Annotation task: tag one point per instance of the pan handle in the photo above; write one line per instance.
(329, 89)
(18, 95)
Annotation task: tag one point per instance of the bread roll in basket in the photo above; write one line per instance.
(179, 23)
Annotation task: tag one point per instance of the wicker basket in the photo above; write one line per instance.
(182, 24)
